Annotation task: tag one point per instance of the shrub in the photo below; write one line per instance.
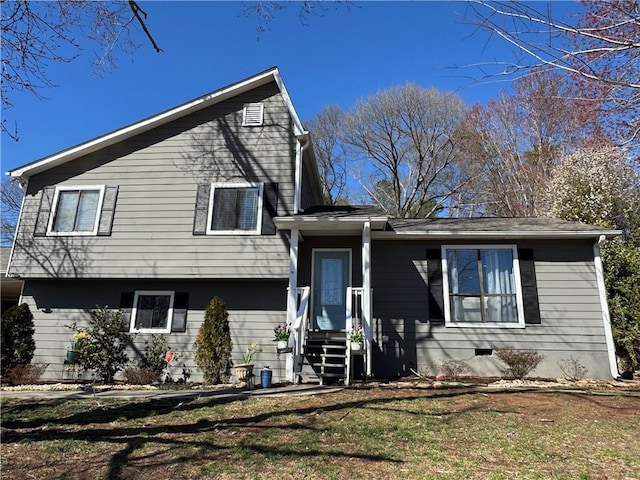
(454, 368)
(16, 337)
(153, 357)
(25, 374)
(572, 368)
(105, 345)
(213, 344)
(140, 376)
(519, 362)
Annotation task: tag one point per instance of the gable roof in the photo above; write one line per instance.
(270, 75)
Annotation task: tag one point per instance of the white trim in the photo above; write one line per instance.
(134, 311)
(366, 295)
(297, 194)
(253, 115)
(606, 317)
(54, 210)
(255, 231)
(516, 275)
(15, 233)
(313, 278)
(292, 298)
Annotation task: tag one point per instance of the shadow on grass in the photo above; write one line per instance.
(24, 422)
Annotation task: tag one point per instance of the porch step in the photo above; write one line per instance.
(325, 356)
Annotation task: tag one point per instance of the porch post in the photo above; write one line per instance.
(366, 294)
(292, 300)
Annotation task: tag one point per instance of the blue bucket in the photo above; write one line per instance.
(266, 375)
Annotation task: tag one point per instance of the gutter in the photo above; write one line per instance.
(606, 318)
(303, 144)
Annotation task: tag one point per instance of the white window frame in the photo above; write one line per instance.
(246, 122)
(54, 210)
(255, 231)
(518, 284)
(134, 311)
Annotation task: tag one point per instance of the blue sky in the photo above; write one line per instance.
(337, 57)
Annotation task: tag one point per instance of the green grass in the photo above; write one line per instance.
(361, 433)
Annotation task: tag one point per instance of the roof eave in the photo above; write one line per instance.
(302, 223)
(488, 235)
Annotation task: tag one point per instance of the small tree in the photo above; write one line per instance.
(17, 343)
(106, 343)
(213, 344)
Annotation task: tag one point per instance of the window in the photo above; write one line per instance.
(235, 208)
(482, 286)
(152, 312)
(75, 210)
(253, 115)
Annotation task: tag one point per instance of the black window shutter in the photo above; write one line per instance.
(42, 220)
(108, 211)
(202, 206)
(529, 286)
(126, 305)
(269, 208)
(180, 307)
(436, 294)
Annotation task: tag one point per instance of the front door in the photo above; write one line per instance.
(331, 277)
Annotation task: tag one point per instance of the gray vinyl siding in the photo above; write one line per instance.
(255, 308)
(570, 311)
(157, 173)
(311, 190)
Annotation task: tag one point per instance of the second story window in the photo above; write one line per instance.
(75, 210)
(235, 208)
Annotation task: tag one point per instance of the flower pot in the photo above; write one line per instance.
(243, 371)
(72, 356)
(282, 344)
(356, 346)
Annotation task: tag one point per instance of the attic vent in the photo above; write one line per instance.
(253, 114)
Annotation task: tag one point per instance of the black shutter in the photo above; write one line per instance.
(436, 294)
(529, 286)
(180, 307)
(108, 211)
(269, 208)
(126, 305)
(42, 220)
(202, 206)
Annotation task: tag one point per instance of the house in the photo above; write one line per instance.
(10, 288)
(221, 197)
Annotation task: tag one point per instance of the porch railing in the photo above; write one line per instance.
(356, 317)
(300, 326)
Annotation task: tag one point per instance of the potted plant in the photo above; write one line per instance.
(356, 338)
(282, 334)
(245, 369)
(78, 341)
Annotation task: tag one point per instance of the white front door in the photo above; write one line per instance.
(331, 277)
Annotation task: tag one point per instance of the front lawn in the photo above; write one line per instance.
(378, 432)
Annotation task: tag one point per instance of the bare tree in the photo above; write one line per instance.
(37, 34)
(10, 202)
(512, 144)
(326, 128)
(404, 136)
(601, 51)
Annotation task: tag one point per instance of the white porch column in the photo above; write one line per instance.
(292, 299)
(366, 295)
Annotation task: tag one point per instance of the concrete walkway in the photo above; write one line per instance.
(181, 395)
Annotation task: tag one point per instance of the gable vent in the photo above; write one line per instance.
(253, 114)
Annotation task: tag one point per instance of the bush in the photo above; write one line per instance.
(105, 344)
(16, 338)
(454, 368)
(153, 358)
(572, 368)
(141, 376)
(213, 344)
(25, 374)
(519, 362)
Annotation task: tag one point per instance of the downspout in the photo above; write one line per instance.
(606, 318)
(298, 173)
(24, 184)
